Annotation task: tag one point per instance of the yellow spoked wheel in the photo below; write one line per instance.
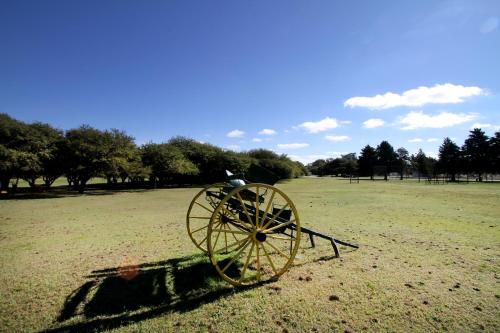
(200, 212)
(253, 234)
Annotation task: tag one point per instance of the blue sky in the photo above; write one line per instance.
(307, 78)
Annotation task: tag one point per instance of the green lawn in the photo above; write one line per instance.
(428, 261)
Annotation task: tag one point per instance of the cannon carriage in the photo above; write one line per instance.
(249, 228)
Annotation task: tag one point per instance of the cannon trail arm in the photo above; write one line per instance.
(277, 220)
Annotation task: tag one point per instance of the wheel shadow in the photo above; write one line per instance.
(121, 296)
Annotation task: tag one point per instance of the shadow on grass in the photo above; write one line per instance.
(65, 191)
(121, 296)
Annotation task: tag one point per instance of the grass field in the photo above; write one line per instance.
(428, 261)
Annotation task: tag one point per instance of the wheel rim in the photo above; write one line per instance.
(200, 212)
(256, 240)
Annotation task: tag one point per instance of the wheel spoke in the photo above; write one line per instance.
(227, 230)
(244, 208)
(280, 225)
(275, 216)
(257, 207)
(205, 226)
(231, 245)
(278, 250)
(258, 263)
(236, 255)
(203, 206)
(278, 237)
(216, 240)
(267, 208)
(234, 216)
(246, 263)
(232, 232)
(225, 236)
(269, 259)
(199, 243)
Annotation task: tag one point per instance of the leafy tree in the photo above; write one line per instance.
(418, 163)
(167, 163)
(449, 158)
(300, 170)
(32, 149)
(332, 166)
(367, 160)
(475, 152)
(317, 167)
(85, 153)
(120, 153)
(349, 164)
(210, 160)
(8, 166)
(344, 166)
(495, 153)
(385, 156)
(12, 140)
(46, 146)
(423, 164)
(281, 165)
(29, 167)
(402, 161)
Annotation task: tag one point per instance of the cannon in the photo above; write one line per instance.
(249, 228)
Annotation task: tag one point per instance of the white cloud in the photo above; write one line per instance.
(319, 126)
(337, 138)
(373, 123)
(415, 140)
(418, 119)
(345, 122)
(439, 94)
(233, 147)
(257, 140)
(235, 134)
(336, 154)
(292, 145)
(267, 131)
(489, 25)
(306, 159)
(432, 140)
(483, 126)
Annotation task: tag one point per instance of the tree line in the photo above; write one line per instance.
(38, 151)
(479, 155)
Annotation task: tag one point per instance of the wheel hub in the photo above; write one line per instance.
(224, 219)
(260, 236)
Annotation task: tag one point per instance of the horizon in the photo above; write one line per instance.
(309, 80)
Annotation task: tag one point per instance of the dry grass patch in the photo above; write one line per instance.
(428, 262)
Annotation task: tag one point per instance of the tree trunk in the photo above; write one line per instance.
(4, 183)
(14, 187)
(31, 182)
(81, 186)
(48, 180)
